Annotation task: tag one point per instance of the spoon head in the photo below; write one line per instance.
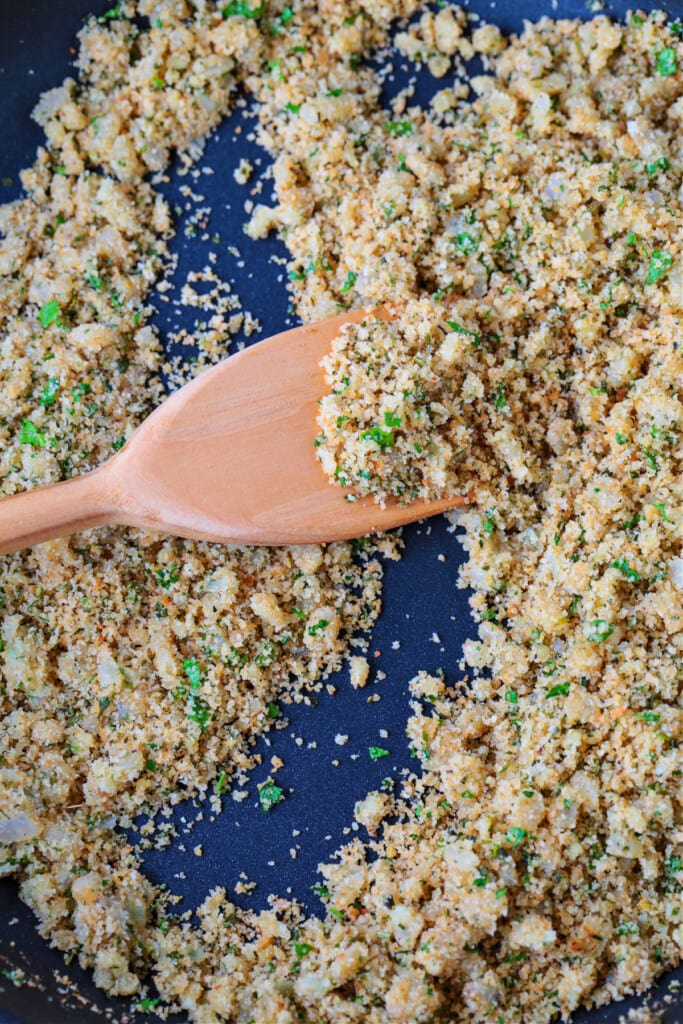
(230, 456)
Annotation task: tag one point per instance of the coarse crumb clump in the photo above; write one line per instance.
(644, 1015)
(535, 862)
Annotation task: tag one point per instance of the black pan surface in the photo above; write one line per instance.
(37, 40)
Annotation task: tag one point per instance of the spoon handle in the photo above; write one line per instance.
(55, 511)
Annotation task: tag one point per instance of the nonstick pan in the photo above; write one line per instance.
(37, 44)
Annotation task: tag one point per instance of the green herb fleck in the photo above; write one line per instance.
(466, 243)
(659, 265)
(167, 576)
(199, 711)
(49, 392)
(649, 717)
(459, 329)
(600, 632)
(383, 438)
(516, 835)
(660, 164)
(146, 1004)
(30, 434)
(672, 866)
(660, 507)
(625, 569)
(667, 63)
(269, 795)
(399, 128)
(498, 397)
(94, 281)
(318, 627)
(242, 9)
(192, 670)
(49, 313)
(489, 523)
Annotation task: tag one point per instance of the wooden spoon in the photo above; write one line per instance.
(229, 458)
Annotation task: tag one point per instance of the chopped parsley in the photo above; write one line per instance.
(489, 522)
(49, 392)
(625, 569)
(651, 459)
(660, 263)
(667, 64)
(199, 711)
(351, 279)
(377, 752)
(459, 329)
(660, 164)
(49, 313)
(167, 576)
(383, 438)
(399, 128)
(30, 434)
(94, 281)
(466, 243)
(276, 70)
(560, 690)
(601, 630)
(242, 9)
(318, 627)
(672, 866)
(269, 795)
(193, 671)
(516, 835)
(660, 507)
(498, 396)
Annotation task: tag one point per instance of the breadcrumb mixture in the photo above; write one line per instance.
(535, 863)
